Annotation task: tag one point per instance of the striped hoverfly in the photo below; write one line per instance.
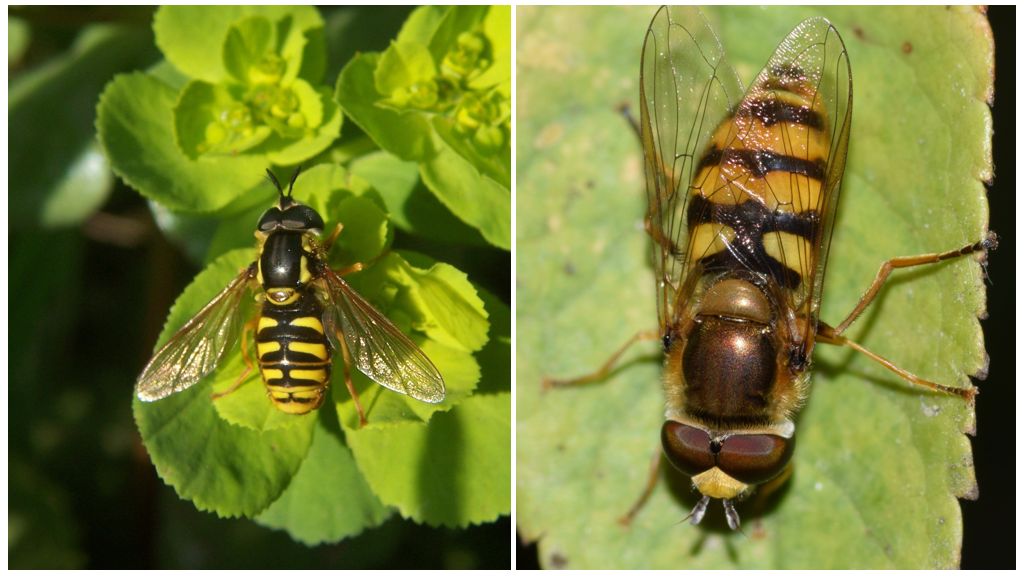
(742, 190)
(306, 312)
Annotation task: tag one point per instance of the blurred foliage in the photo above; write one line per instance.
(94, 269)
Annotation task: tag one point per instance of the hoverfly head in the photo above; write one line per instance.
(289, 215)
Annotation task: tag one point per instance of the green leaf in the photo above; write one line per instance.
(208, 119)
(496, 356)
(135, 126)
(328, 500)
(458, 469)
(497, 27)
(404, 134)
(188, 35)
(19, 37)
(477, 200)
(878, 465)
(249, 43)
(403, 66)
(228, 469)
(459, 135)
(61, 179)
(421, 25)
(322, 120)
(410, 205)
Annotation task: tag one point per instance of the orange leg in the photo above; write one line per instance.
(605, 369)
(347, 361)
(334, 236)
(828, 335)
(652, 482)
(989, 243)
(250, 326)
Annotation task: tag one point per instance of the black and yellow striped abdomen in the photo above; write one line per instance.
(757, 191)
(294, 353)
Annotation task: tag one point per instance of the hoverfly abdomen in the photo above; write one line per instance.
(293, 353)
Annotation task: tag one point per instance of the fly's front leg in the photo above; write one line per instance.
(331, 239)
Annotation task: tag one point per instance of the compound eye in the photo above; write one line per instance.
(687, 448)
(270, 220)
(755, 458)
(301, 217)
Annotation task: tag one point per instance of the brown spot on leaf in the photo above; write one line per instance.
(907, 47)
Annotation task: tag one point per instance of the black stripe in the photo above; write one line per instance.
(291, 357)
(751, 221)
(761, 162)
(287, 381)
(771, 111)
(284, 332)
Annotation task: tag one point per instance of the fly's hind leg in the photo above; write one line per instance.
(346, 362)
(605, 369)
(250, 327)
(829, 335)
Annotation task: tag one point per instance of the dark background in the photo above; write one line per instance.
(86, 304)
(989, 525)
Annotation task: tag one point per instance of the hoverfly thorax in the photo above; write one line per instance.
(288, 234)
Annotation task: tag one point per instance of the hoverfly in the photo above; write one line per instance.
(306, 313)
(742, 190)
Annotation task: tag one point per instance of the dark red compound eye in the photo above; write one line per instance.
(755, 458)
(749, 458)
(687, 448)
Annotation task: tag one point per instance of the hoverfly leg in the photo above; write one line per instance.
(346, 362)
(652, 482)
(826, 334)
(627, 113)
(606, 368)
(697, 514)
(990, 242)
(357, 267)
(250, 326)
(330, 239)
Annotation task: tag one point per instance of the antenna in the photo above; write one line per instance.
(273, 180)
(294, 177)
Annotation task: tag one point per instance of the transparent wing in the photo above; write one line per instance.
(196, 349)
(686, 89)
(785, 151)
(377, 347)
(743, 181)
